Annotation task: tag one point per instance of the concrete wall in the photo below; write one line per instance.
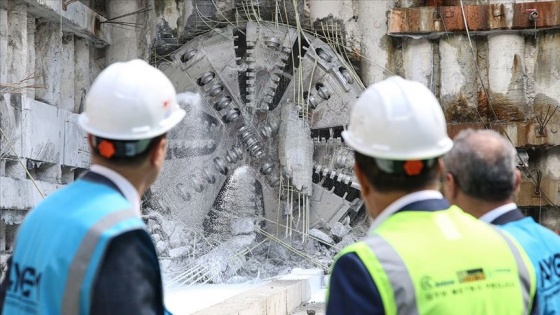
(504, 80)
(49, 56)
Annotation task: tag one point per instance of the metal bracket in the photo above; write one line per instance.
(541, 131)
(533, 14)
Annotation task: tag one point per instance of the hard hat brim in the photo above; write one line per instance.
(385, 152)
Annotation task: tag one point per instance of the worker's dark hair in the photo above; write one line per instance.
(397, 180)
(124, 152)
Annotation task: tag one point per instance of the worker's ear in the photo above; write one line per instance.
(440, 167)
(90, 140)
(517, 183)
(158, 151)
(362, 180)
(450, 187)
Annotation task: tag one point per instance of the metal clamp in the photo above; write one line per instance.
(533, 14)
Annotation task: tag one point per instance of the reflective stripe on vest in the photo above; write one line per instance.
(543, 248)
(523, 264)
(60, 246)
(80, 263)
(405, 299)
(420, 263)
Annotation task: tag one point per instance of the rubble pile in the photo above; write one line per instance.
(241, 253)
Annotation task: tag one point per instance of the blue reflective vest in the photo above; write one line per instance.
(543, 248)
(60, 246)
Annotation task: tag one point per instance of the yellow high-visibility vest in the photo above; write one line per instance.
(446, 262)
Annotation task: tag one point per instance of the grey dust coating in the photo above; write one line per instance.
(258, 162)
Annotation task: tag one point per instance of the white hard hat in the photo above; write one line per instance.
(130, 101)
(398, 119)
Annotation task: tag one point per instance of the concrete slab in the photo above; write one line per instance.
(316, 305)
(190, 299)
(43, 127)
(76, 18)
(310, 309)
(22, 194)
(269, 299)
(281, 296)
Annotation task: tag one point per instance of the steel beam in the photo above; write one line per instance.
(435, 21)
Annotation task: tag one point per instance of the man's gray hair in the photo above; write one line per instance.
(483, 164)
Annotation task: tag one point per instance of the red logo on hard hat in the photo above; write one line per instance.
(166, 104)
(413, 168)
(106, 149)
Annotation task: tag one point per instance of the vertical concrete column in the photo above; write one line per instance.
(124, 44)
(506, 73)
(81, 73)
(146, 31)
(418, 61)
(31, 56)
(49, 49)
(3, 80)
(17, 41)
(3, 42)
(67, 73)
(97, 62)
(458, 79)
(2, 236)
(376, 45)
(15, 71)
(549, 164)
(549, 218)
(547, 73)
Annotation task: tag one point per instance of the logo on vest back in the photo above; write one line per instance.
(550, 271)
(471, 281)
(471, 275)
(23, 291)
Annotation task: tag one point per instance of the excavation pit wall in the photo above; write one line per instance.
(49, 57)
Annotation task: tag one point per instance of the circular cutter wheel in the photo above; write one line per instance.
(265, 139)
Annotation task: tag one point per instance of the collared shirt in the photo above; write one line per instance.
(492, 215)
(403, 201)
(129, 192)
